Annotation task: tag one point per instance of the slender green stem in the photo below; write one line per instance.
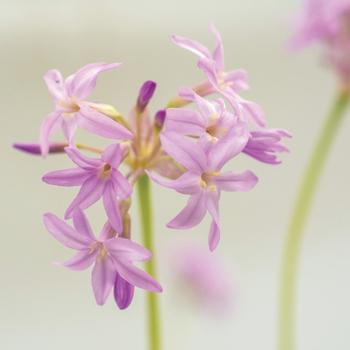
(286, 334)
(145, 205)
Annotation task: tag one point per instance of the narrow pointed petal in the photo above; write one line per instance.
(81, 260)
(64, 233)
(55, 84)
(191, 45)
(206, 108)
(122, 248)
(69, 127)
(90, 192)
(214, 236)
(84, 80)
(184, 151)
(112, 155)
(101, 125)
(67, 177)
(184, 121)
(187, 183)
(102, 279)
(212, 198)
(123, 292)
(81, 160)
(238, 78)
(81, 224)
(46, 130)
(137, 277)
(231, 181)
(111, 206)
(209, 69)
(192, 214)
(218, 53)
(255, 111)
(122, 185)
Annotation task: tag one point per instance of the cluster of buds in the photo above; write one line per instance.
(179, 148)
(327, 22)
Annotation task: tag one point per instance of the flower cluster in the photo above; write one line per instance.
(180, 148)
(327, 22)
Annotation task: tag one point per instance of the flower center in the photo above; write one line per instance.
(70, 104)
(102, 252)
(106, 171)
(206, 180)
(214, 130)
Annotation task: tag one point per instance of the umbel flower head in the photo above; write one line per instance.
(186, 149)
(328, 23)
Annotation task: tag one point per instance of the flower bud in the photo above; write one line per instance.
(160, 118)
(35, 149)
(145, 94)
(123, 292)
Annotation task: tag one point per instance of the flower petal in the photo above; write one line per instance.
(112, 155)
(81, 224)
(111, 205)
(192, 214)
(67, 177)
(69, 127)
(46, 130)
(122, 185)
(99, 124)
(187, 183)
(137, 277)
(184, 151)
(123, 292)
(84, 80)
(214, 236)
(81, 260)
(212, 203)
(90, 192)
(55, 84)
(191, 45)
(231, 181)
(64, 233)
(218, 53)
(125, 249)
(81, 160)
(102, 279)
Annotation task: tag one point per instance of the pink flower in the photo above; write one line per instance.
(265, 143)
(71, 110)
(226, 83)
(97, 178)
(112, 257)
(204, 180)
(327, 22)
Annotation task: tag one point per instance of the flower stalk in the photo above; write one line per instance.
(145, 208)
(286, 324)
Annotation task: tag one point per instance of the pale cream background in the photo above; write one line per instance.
(45, 307)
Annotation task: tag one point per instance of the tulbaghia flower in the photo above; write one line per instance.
(226, 83)
(71, 109)
(265, 143)
(204, 179)
(210, 123)
(112, 258)
(327, 22)
(97, 178)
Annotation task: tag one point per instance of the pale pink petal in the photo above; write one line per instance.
(69, 127)
(231, 181)
(112, 155)
(218, 53)
(187, 183)
(184, 151)
(122, 185)
(228, 147)
(238, 78)
(64, 233)
(90, 192)
(81, 223)
(214, 236)
(208, 67)
(46, 130)
(137, 277)
(122, 248)
(212, 203)
(84, 80)
(191, 45)
(192, 214)
(102, 279)
(99, 124)
(206, 108)
(184, 121)
(81, 260)
(68, 177)
(255, 111)
(111, 206)
(81, 160)
(55, 84)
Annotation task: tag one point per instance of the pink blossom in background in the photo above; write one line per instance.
(327, 22)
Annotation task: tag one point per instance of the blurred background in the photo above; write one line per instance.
(46, 307)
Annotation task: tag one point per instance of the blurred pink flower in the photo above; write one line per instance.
(327, 22)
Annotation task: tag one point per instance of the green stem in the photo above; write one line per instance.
(286, 334)
(145, 206)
